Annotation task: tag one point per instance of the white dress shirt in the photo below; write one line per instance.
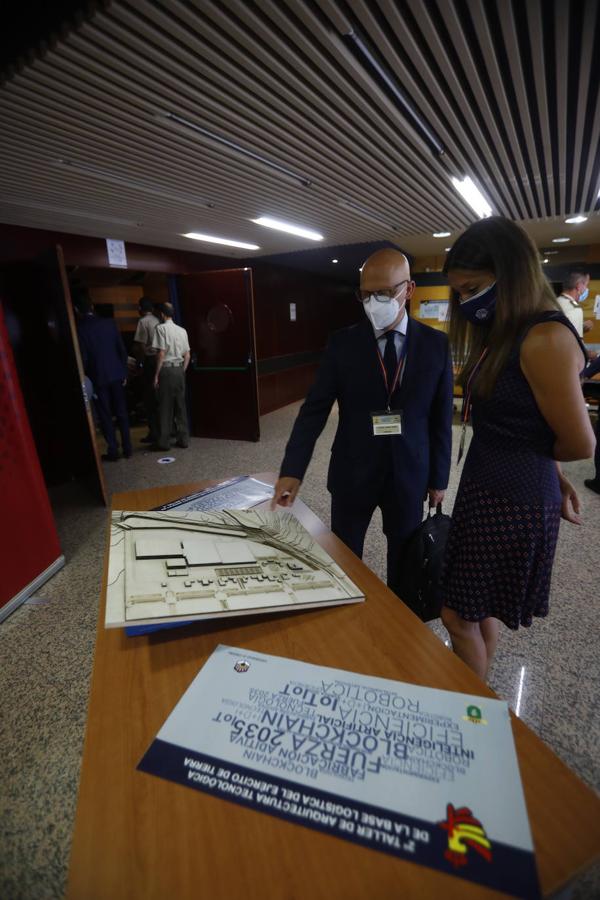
(399, 336)
(572, 311)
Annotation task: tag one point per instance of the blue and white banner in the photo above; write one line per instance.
(429, 776)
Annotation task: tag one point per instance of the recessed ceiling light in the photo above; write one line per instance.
(211, 239)
(473, 196)
(544, 260)
(575, 220)
(442, 233)
(278, 225)
(334, 260)
(447, 249)
(560, 240)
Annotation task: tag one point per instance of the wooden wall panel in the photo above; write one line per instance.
(277, 389)
(19, 244)
(124, 299)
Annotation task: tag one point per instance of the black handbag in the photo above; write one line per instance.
(421, 566)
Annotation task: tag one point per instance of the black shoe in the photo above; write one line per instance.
(108, 457)
(147, 440)
(593, 484)
(182, 445)
(127, 455)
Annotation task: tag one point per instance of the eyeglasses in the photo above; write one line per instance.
(384, 295)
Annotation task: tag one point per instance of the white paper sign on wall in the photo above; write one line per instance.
(116, 253)
(292, 312)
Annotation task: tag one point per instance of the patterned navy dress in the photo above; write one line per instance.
(506, 516)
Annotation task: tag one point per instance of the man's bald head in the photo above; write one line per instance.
(384, 269)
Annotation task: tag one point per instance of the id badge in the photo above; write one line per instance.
(387, 422)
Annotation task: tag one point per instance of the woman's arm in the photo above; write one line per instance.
(551, 360)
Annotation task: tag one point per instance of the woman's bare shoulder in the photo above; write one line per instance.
(549, 337)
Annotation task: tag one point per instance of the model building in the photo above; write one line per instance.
(191, 565)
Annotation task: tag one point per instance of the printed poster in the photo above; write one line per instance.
(425, 775)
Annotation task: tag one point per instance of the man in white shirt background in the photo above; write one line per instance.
(172, 359)
(574, 293)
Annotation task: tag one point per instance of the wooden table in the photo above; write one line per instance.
(138, 836)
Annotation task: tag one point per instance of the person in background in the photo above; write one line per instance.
(104, 361)
(173, 357)
(574, 293)
(391, 376)
(593, 368)
(145, 353)
(521, 360)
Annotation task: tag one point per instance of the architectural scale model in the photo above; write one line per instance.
(190, 565)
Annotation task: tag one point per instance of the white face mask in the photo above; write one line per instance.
(382, 315)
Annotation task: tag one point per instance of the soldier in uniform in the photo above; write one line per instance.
(172, 359)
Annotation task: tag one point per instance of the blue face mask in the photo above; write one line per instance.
(480, 308)
(584, 296)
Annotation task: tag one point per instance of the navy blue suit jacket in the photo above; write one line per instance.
(102, 350)
(350, 373)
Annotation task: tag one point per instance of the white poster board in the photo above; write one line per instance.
(429, 776)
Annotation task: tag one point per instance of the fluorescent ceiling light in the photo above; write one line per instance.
(334, 260)
(441, 234)
(549, 252)
(219, 139)
(211, 239)
(392, 85)
(268, 222)
(560, 240)
(473, 196)
(575, 220)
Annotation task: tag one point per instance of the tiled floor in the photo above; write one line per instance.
(550, 673)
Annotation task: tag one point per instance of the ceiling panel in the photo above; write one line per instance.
(156, 117)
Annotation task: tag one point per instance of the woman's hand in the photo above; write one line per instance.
(570, 507)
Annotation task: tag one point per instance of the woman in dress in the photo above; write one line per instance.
(519, 360)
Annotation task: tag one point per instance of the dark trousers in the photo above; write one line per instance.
(171, 403)
(111, 401)
(150, 398)
(350, 522)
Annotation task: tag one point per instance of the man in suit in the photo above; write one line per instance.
(104, 361)
(392, 379)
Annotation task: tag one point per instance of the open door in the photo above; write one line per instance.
(218, 314)
(46, 351)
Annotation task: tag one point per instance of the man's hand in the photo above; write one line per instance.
(156, 382)
(588, 325)
(435, 496)
(285, 492)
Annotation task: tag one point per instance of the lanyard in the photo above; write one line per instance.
(399, 368)
(467, 403)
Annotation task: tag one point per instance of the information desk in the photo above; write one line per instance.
(137, 836)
